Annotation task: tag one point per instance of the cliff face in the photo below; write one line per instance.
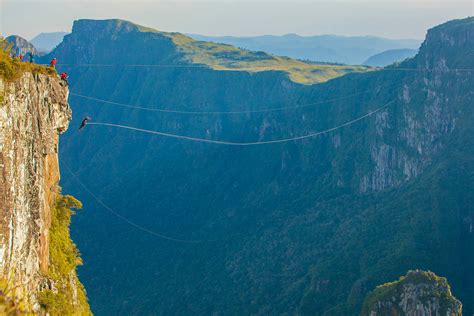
(33, 112)
(443, 77)
(418, 293)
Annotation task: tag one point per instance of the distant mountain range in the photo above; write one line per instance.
(45, 42)
(324, 48)
(389, 57)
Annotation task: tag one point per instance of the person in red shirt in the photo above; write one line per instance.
(64, 78)
(53, 62)
(21, 57)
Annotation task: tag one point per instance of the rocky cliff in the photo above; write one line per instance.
(21, 46)
(33, 113)
(418, 293)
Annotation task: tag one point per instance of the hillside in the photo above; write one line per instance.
(227, 57)
(303, 227)
(389, 57)
(323, 48)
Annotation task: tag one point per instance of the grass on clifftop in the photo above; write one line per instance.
(13, 68)
(62, 299)
(227, 57)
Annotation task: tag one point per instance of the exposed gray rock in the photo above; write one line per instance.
(419, 293)
(33, 113)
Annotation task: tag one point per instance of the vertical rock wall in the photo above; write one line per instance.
(33, 112)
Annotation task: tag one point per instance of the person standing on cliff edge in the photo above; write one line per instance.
(64, 78)
(53, 62)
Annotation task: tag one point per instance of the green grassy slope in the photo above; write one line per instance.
(227, 57)
(69, 296)
(230, 58)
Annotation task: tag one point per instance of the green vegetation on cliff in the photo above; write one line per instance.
(62, 298)
(12, 68)
(9, 306)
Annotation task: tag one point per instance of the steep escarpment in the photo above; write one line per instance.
(33, 113)
(305, 227)
(418, 293)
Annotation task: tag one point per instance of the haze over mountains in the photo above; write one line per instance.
(322, 48)
(325, 48)
(45, 42)
(306, 227)
(389, 57)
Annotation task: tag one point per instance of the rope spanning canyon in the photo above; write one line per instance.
(220, 142)
(165, 237)
(226, 112)
(162, 110)
(126, 220)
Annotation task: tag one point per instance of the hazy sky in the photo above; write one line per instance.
(387, 18)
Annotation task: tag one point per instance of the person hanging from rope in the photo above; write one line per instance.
(84, 122)
(64, 78)
(53, 62)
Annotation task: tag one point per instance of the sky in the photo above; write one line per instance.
(385, 18)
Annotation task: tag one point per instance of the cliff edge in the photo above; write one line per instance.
(34, 216)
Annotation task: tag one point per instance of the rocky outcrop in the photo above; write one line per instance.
(418, 293)
(33, 113)
(21, 45)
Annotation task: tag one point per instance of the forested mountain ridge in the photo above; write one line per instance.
(308, 226)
